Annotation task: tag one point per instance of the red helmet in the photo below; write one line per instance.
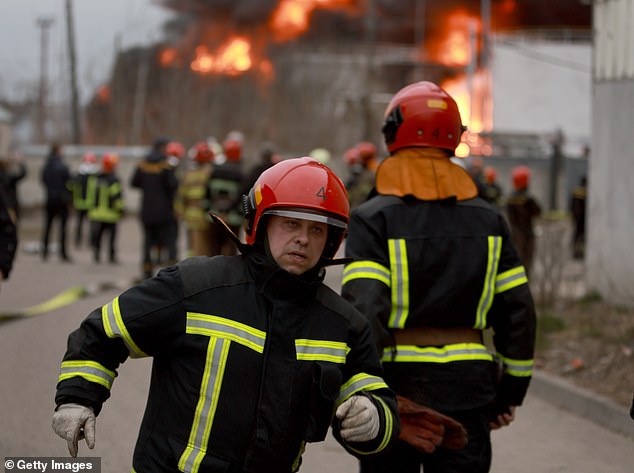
(233, 149)
(422, 114)
(351, 156)
(89, 158)
(175, 149)
(521, 177)
(300, 188)
(490, 174)
(367, 151)
(109, 162)
(202, 152)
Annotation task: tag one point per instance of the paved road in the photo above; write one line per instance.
(544, 438)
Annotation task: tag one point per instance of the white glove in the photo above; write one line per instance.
(73, 422)
(359, 419)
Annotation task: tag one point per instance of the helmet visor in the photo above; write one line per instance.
(306, 215)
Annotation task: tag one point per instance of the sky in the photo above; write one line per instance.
(97, 25)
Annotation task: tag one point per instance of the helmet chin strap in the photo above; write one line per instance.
(219, 221)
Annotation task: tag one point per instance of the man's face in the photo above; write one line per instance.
(296, 244)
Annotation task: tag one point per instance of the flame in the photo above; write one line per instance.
(231, 58)
(456, 49)
(168, 57)
(104, 94)
(291, 18)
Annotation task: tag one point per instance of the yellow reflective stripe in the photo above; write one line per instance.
(89, 370)
(219, 327)
(399, 271)
(359, 382)
(488, 291)
(445, 354)
(519, 368)
(510, 279)
(215, 363)
(389, 429)
(321, 350)
(114, 327)
(366, 270)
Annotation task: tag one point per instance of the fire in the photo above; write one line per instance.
(457, 48)
(168, 57)
(232, 58)
(291, 18)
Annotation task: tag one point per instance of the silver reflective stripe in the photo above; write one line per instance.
(115, 328)
(445, 354)
(510, 279)
(366, 270)
(518, 368)
(219, 327)
(360, 382)
(399, 272)
(488, 290)
(321, 350)
(215, 363)
(89, 370)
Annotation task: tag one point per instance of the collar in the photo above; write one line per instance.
(425, 173)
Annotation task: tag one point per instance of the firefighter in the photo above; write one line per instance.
(578, 213)
(8, 236)
(190, 200)
(492, 192)
(157, 182)
(433, 267)
(254, 356)
(522, 209)
(83, 188)
(107, 208)
(361, 184)
(223, 196)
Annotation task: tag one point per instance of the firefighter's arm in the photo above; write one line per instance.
(512, 317)
(366, 419)
(140, 322)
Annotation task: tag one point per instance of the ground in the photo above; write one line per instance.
(591, 344)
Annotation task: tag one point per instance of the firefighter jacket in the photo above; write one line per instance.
(443, 263)
(83, 187)
(8, 236)
(223, 193)
(108, 203)
(190, 202)
(157, 181)
(249, 365)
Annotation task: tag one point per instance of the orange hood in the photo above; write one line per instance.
(425, 173)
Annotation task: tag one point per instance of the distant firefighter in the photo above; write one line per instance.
(522, 210)
(492, 192)
(578, 213)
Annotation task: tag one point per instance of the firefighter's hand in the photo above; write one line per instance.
(359, 419)
(503, 418)
(73, 422)
(425, 429)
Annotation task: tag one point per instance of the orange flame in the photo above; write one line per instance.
(455, 49)
(232, 58)
(168, 57)
(291, 18)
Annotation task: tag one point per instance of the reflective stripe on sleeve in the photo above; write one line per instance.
(321, 350)
(219, 327)
(115, 328)
(518, 368)
(399, 271)
(366, 270)
(488, 290)
(510, 279)
(389, 429)
(359, 382)
(89, 370)
(445, 354)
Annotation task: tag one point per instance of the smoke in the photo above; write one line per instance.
(242, 13)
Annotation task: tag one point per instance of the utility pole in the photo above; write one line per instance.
(420, 23)
(366, 96)
(43, 24)
(73, 73)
